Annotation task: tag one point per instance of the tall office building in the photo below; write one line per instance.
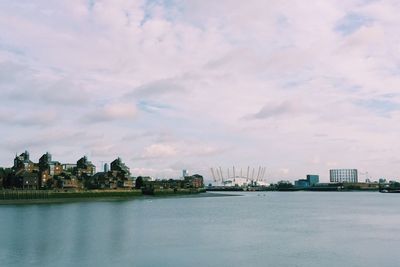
(343, 176)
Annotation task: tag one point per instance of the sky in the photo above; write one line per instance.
(296, 86)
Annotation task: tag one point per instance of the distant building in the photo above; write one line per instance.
(189, 182)
(120, 167)
(301, 183)
(84, 167)
(100, 180)
(29, 180)
(343, 176)
(47, 164)
(312, 179)
(48, 169)
(69, 167)
(194, 181)
(185, 173)
(22, 163)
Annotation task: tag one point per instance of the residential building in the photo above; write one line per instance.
(117, 166)
(29, 180)
(194, 181)
(84, 167)
(69, 167)
(48, 169)
(23, 163)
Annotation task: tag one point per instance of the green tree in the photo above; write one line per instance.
(139, 182)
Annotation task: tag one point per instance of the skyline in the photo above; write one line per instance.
(171, 85)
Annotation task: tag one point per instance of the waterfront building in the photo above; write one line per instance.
(301, 183)
(23, 163)
(46, 164)
(28, 180)
(343, 176)
(100, 180)
(25, 172)
(69, 167)
(189, 182)
(48, 169)
(312, 179)
(119, 167)
(194, 181)
(117, 177)
(84, 167)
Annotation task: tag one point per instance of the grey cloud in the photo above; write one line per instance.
(157, 88)
(66, 93)
(46, 140)
(286, 108)
(159, 137)
(21, 83)
(61, 92)
(11, 72)
(28, 120)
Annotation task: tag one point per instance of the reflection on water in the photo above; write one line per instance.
(275, 229)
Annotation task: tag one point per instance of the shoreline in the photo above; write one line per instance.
(5, 202)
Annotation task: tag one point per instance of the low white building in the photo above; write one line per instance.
(243, 182)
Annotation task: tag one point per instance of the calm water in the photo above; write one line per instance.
(267, 229)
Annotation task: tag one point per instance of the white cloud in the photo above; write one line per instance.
(112, 112)
(159, 151)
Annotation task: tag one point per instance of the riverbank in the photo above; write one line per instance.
(44, 197)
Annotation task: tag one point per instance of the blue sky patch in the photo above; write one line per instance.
(351, 23)
(380, 106)
(152, 107)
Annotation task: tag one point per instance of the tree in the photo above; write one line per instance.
(139, 182)
(282, 185)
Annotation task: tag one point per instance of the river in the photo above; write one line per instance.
(255, 229)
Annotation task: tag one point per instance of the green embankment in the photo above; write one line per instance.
(44, 194)
(162, 192)
(48, 194)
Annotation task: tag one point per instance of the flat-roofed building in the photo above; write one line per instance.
(312, 179)
(343, 176)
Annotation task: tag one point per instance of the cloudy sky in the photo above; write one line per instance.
(297, 86)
